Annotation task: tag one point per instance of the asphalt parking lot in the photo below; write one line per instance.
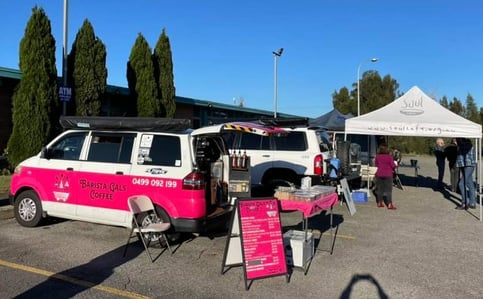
(424, 249)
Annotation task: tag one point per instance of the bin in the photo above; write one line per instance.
(297, 250)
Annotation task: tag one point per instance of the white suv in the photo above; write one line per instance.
(281, 160)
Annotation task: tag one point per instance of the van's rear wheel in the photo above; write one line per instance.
(28, 209)
(147, 218)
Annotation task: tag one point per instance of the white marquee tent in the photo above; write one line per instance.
(416, 114)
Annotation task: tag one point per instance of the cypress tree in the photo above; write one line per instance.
(140, 78)
(163, 67)
(87, 60)
(35, 101)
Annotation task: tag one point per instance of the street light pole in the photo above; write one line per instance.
(358, 85)
(64, 54)
(275, 56)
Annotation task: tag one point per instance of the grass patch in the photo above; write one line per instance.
(4, 183)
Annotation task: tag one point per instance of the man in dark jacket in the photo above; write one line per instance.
(451, 152)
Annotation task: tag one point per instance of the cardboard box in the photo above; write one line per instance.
(297, 250)
(239, 186)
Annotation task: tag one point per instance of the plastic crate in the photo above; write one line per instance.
(359, 197)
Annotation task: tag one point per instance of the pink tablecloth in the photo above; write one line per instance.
(309, 208)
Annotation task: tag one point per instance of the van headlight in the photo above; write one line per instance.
(18, 169)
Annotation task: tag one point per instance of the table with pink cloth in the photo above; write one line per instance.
(309, 208)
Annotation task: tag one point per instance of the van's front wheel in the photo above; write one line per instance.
(28, 209)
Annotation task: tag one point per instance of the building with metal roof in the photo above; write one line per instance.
(117, 102)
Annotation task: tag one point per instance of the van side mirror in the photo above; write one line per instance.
(45, 153)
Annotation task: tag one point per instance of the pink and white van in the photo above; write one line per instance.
(88, 172)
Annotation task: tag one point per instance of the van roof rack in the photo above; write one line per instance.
(285, 122)
(124, 123)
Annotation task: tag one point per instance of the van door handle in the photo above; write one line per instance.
(119, 172)
(70, 168)
(266, 156)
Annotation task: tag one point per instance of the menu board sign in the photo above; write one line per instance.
(261, 237)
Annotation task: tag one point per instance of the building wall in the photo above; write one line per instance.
(7, 87)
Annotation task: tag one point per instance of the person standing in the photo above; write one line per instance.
(396, 155)
(440, 161)
(384, 177)
(466, 162)
(451, 151)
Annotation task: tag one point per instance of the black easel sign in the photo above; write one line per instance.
(260, 234)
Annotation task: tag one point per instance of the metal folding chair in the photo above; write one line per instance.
(151, 229)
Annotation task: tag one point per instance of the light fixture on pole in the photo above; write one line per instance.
(275, 56)
(358, 85)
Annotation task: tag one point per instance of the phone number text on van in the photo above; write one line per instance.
(155, 183)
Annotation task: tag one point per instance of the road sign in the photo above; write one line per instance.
(65, 93)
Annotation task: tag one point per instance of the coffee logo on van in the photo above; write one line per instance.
(61, 181)
(62, 184)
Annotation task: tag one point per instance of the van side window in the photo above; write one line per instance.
(111, 147)
(164, 151)
(69, 147)
(293, 141)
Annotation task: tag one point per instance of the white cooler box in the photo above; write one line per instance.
(297, 251)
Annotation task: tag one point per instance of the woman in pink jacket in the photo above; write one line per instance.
(384, 177)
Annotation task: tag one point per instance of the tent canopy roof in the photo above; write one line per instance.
(333, 120)
(413, 114)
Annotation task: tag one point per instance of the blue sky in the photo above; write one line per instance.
(222, 50)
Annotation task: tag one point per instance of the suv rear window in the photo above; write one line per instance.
(246, 141)
(293, 141)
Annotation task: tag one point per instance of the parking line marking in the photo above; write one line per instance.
(348, 237)
(73, 280)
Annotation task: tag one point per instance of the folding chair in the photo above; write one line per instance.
(149, 230)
